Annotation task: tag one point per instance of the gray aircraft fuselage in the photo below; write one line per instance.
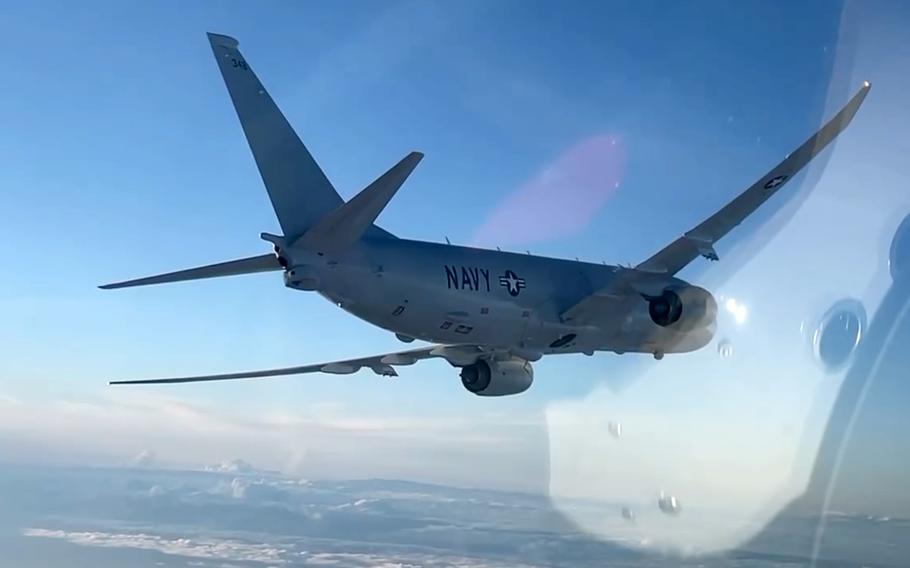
(458, 295)
(491, 313)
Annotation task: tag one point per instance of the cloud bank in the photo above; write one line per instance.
(148, 430)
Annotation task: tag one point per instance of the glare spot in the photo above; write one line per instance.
(668, 504)
(737, 310)
(560, 197)
(839, 333)
(615, 429)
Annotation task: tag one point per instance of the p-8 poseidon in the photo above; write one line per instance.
(488, 313)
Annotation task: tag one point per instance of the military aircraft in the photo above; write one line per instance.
(487, 312)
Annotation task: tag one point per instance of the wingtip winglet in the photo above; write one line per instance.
(852, 106)
(413, 158)
(863, 91)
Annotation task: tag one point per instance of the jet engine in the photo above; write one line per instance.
(683, 308)
(497, 378)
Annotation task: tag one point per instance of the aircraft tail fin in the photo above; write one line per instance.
(349, 221)
(250, 265)
(300, 192)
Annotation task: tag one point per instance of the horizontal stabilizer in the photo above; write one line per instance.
(347, 223)
(262, 263)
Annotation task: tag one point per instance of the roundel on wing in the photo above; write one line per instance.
(776, 181)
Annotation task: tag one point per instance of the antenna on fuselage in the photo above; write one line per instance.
(448, 242)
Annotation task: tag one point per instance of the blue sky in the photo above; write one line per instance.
(123, 157)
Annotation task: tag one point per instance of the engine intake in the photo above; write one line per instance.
(497, 378)
(685, 308)
(665, 309)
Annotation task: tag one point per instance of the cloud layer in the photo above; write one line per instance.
(204, 548)
(144, 430)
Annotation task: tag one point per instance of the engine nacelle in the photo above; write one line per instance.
(497, 378)
(683, 308)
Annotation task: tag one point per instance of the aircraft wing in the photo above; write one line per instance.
(700, 240)
(619, 296)
(380, 364)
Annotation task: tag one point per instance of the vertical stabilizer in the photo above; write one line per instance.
(299, 190)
